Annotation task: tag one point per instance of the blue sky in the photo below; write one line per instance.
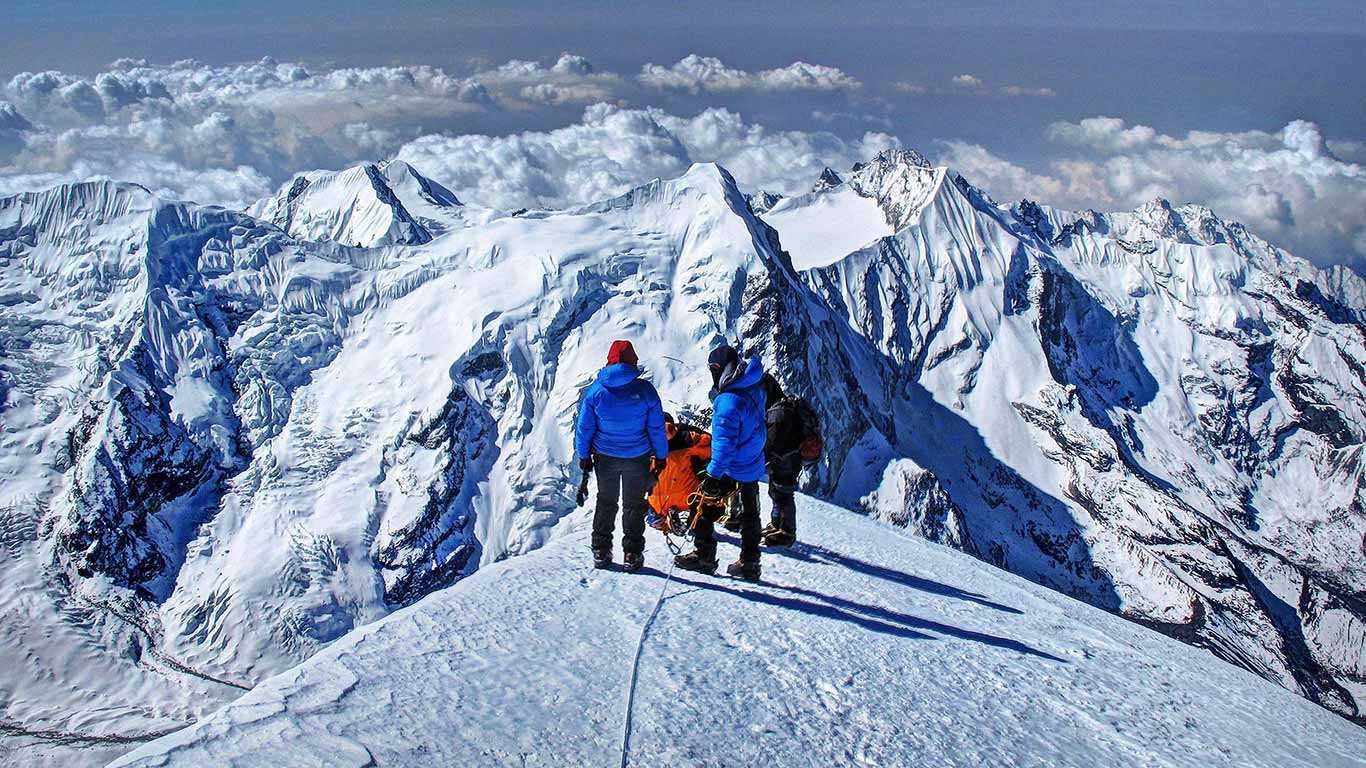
(983, 84)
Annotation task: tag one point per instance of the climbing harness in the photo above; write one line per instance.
(675, 524)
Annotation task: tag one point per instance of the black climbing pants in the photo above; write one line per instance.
(704, 532)
(783, 473)
(627, 481)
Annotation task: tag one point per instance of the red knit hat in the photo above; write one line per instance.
(622, 352)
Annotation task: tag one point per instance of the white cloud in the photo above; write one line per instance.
(215, 132)
(233, 187)
(1354, 151)
(966, 82)
(1107, 133)
(1000, 177)
(1019, 90)
(696, 74)
(1286, 186)
(905, 86)
(13, 126)
(571, 79)
(228, 134)
(612, 149)
(11, 119)
(863, 118)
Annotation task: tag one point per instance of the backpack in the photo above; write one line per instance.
(796, 419)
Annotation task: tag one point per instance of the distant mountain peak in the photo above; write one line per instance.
(895, 157)
(828, 179)
(902, 181)
(762, 200)
(11, 119)
(1183, 223)
(364, 205)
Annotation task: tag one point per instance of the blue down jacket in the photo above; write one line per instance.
(620, 416)
(738, 430)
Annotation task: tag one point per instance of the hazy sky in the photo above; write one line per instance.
(1258, 108)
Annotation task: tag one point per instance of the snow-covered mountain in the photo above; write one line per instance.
(226, 448)
(860, 648)
(837, 218)
(365, 205)
(1156, 411)
(229, 441)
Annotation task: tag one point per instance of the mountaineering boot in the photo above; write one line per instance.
(696, 563)
(743, 570)
(633, 562)
(731, 523)
(770, 528)
(779, 538)
(602, 558)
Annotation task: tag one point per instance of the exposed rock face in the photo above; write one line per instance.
(911, 497)
(828, 179)
(761, 201)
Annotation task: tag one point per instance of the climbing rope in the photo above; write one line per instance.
(695, 503)
(635, 668)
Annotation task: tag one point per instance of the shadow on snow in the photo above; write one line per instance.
(816, 554)
(870, 617)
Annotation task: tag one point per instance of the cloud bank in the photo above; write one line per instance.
(1287, 186)
(216, 134)
(696, 74)
(612, 149)
(232, 134)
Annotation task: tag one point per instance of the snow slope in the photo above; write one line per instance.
(837, 217)
(820, 228)
(860, 648)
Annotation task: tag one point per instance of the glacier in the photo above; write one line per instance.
(232, 438)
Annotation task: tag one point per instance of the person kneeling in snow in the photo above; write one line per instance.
(620, 436)
(675, 492)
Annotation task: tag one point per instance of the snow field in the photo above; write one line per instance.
(861, 647)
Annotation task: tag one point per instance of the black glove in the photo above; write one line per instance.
(586, 464)
(656, 467)
(716, 487)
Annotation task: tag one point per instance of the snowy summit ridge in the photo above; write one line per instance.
(232, 438)
(841, 633)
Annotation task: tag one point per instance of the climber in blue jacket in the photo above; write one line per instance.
(738, 435)
(620, 438)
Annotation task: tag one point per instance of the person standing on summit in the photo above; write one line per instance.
(620, 437)
(738, 435)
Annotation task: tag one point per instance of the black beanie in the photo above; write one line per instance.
(723, 356)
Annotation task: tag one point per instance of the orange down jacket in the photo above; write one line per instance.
(689, 451)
